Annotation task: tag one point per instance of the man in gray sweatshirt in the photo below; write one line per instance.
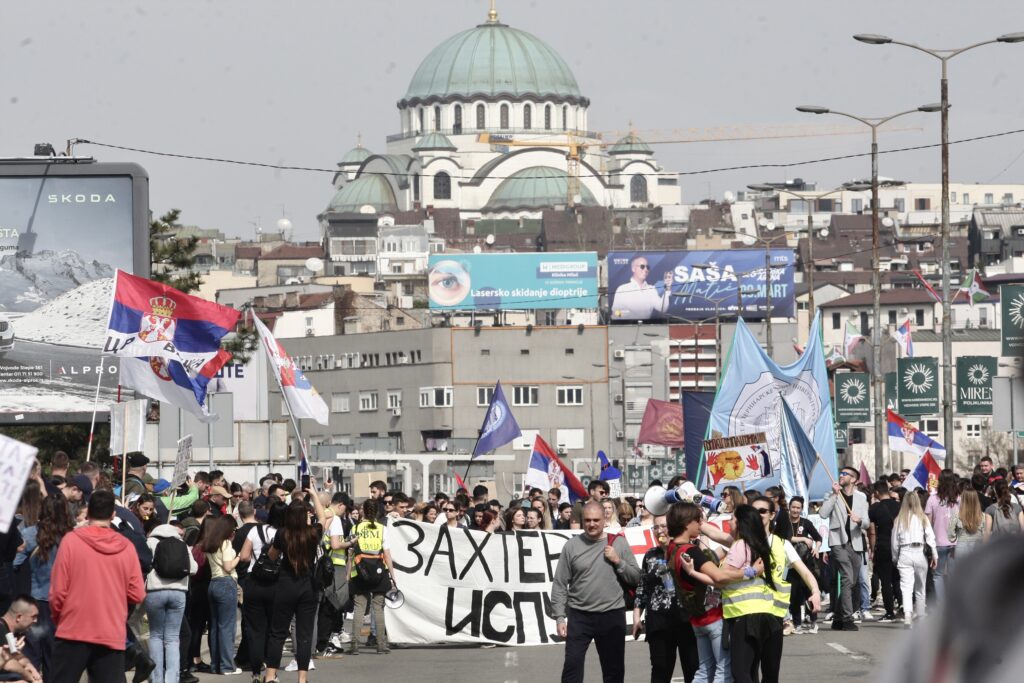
(587, 594)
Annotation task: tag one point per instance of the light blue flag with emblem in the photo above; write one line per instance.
(748, 402)
(499, 426)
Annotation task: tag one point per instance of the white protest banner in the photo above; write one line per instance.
(465, 586)
(16, 460)
(127, 427)
(181, 463)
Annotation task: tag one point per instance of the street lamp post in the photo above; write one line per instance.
(947, 340)
(874, 123)
(767, 242)
(852, 187)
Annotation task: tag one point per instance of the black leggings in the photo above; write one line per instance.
(198, 616)
(755, 642)
(72, 658)
(257, 612)
(664, 644)
(293, 597)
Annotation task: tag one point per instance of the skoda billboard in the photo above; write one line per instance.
(65, 226)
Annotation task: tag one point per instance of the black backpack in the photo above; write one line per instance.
(170, 561)
(265, 570)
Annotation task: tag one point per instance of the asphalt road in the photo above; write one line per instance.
(824, 656)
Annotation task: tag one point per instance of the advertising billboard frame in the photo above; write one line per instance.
(39, 168)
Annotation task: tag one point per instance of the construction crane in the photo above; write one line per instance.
(737, 133)
(574, 144)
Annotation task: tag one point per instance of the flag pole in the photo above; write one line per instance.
(284, 396)
(95, 407)
(829, 473)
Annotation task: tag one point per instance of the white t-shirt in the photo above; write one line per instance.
(633, 301)
(336, 528)
(254, 538)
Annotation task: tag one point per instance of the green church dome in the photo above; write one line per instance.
(631, 144)
(490, 61)
(356, 155)
(434, 142)
(537, 187)
(368, 190)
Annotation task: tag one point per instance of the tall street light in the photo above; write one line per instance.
(767, 242)
(851, 187)
(947, 339)
(874, 123)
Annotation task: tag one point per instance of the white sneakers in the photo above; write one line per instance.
(294, 665)
(339, 639)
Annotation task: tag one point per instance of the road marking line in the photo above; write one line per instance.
(846, 651)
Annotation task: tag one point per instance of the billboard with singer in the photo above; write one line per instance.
(700, 285)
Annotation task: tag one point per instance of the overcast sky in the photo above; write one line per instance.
(293, 83)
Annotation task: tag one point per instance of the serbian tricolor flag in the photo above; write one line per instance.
(300, 396)
(546, 472)
(905, 339)
(905, 437)
(925, 475)
(166, 381)
(150, 319)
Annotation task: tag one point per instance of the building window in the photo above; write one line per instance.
(565, 117)
(919, 317)
(437, 118)
(856, 205)
(547, 117)
(442, 186)
(420, 114)
(483, 395)
(892, 317)
(481, 117)
(922, 204)
(394, 398)
(569, 396)
(400, 320)
(900, 204)
(837, 321)
(457, 122)
(982, 317)
(503, 117)
(929, 427)
(973, 430)
(485, 352)
(367, 401)
(1008, 198)
(415, 187)
(989, 198)
(525, 395)
(952, 197)
(340, 403)
(570, 352)
(527, 116)
(435, 397)
(524, 352)
(638, 189)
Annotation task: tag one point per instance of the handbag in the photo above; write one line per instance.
(323, 572)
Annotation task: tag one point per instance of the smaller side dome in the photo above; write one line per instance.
(535, 188)
(434, 142)
(368, 190)
(631, 144)
(355, 156)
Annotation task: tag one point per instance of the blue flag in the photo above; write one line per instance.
(499, 426)
(608, 471)
(748, 402)
(798, 454)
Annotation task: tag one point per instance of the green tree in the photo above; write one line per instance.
(173, 255)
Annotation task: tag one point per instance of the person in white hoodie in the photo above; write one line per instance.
(911, 534)
(165, 601)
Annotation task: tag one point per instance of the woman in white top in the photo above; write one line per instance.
(165, 602)
(258, 596)
(911, 533)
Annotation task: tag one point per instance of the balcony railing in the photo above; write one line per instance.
(396, 137)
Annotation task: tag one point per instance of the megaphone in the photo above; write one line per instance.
(394, 598)
(658, 499)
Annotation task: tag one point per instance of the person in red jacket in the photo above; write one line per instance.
(95, 578)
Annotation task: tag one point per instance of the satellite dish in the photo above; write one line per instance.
(763, 222)
(823, 232)
(283, 224)
(489, 239)
(314, 264)
(729, 196)
(770, 226)
(477, 249)
(888, 222)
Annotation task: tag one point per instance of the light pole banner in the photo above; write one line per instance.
(842, 436)
(974, 384)
(918, 385)
(892, 394)
(1011, 302)
(853, 402)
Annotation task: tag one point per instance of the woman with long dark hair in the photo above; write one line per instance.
(369, 575)
(296, 544)
(1004, 516)
(55, 522)
(223, 594)
(940, 508)
(144, 508)
(257, 592)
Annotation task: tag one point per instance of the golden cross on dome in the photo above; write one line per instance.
(492, 15)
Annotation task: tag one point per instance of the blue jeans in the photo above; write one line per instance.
(223, 614)
(943, 567)
(714, 660)
(864, 581)
(165, 610)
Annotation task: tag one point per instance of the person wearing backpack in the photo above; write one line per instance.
(166, 590)
(667, 629)
(260, 586)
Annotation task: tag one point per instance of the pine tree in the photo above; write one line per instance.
(173, 256)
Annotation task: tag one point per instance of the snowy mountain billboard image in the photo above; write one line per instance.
(64, 229)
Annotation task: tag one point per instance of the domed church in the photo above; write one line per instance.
(487, 125)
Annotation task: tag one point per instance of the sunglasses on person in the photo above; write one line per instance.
(763, 511)
(450, 510)
(643, 266)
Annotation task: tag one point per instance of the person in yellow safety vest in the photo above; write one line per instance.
(790, 559)
(337, 541)
(369, 578)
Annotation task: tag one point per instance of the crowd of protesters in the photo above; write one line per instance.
(106, 578)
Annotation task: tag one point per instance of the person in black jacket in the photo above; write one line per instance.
(666, 629)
